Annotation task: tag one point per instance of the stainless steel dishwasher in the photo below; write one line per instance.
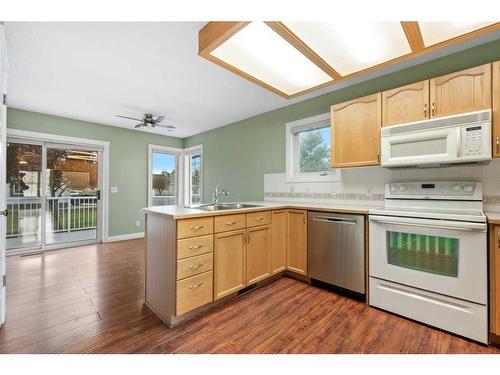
(336, 249)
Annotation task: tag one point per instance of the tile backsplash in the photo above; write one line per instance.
(366, 185)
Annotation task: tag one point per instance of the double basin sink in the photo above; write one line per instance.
(222, 206)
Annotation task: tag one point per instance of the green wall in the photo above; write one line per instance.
(128, 160)
(238, 155)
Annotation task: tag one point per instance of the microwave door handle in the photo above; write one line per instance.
(459, 142)
(469, 227)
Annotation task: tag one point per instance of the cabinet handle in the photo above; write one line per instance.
(378, 155)
(249, 238)
(196, 227)
(433, 109)
(230, 222)
(425, 110)
(194, 247)
(194, 286)
(259, 218)
(498, 238)
(498, 145)
(195, 266)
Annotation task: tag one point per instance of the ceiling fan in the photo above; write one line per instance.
(149, 122)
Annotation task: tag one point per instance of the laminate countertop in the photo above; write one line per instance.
(181, 212)
(493, 217)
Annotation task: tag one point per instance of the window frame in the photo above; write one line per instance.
(292, 150)
(178, 152)
(188, 153)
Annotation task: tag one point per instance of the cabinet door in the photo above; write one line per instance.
(460, 92)
(229, 262)
(495, 279)
(258, 251)
(356, 132)
(278, 241)
(496, 109)
(406, 104)
(296, 257)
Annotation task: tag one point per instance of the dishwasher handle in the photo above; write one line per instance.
(335, 220)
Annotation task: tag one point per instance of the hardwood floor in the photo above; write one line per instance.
(89, 300)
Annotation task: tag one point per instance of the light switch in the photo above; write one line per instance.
(114, 189)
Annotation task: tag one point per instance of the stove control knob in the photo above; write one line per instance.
(394, 188)
(456, 187)
(403, 187)
(468, 188)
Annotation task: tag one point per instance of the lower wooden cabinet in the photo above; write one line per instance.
(194, 292)
(278, 241)
(296, 257)
(229, 262)
(495, 280)
(258, 254)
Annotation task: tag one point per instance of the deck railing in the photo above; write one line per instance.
(63, 214)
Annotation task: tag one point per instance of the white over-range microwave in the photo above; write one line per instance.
(464, 138)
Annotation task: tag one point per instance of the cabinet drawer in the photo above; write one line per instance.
(226, 223)
(194, 265)
(195, 227)
(258, 218)
(194, 292)
(194, 246)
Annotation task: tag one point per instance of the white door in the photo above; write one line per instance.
(3, 126)
(447, 257)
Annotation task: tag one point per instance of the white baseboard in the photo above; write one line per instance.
(124, 237)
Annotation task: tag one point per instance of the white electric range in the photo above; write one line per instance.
(428, 255)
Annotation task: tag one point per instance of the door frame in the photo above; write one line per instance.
(19, 134)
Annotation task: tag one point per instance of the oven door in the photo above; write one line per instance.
(447, 257)
(423, 147)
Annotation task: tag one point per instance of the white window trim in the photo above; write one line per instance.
(309, 123)
(179, 168)
(198, 149)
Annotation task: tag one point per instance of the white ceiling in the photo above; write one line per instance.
(92, 71)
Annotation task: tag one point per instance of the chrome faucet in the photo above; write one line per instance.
(218, 192)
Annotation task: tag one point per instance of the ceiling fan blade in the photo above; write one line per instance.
(159, 119)
(129, 118)
(165, 126)
(139, 125)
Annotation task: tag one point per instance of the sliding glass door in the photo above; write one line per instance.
(53, 193)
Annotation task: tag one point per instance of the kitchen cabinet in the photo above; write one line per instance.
(296, 257)
(356, 132)
(495, 281)
(465, 91)
(258, 254)
(406, 104)
(229, 262)
(278, 241)
(496, 109)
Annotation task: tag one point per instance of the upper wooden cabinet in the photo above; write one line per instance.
(296, 257)
(278, 241)
(496, 109)
(356, 132)
(258, 253)
(465, 91)
(406, 104)
(229, 262)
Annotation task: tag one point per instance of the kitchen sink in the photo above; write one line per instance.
(222, 206)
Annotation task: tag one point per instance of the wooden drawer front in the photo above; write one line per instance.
(226, 223)
(194, 246)
(194, 292)
(195, 227)
(194, 265)
(258, 218)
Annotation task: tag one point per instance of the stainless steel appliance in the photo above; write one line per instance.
(428, 255)
(464, 138)
(336, 249)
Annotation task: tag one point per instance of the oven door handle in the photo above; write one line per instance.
(424, 223)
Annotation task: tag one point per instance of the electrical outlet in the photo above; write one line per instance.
(138, 223)
(369, 190)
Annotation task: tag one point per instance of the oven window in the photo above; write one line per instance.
(431, 254)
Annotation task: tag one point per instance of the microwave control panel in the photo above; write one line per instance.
(475, 141)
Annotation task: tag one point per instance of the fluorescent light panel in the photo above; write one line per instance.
(352, 46)
(260, 52)
(436, 32)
